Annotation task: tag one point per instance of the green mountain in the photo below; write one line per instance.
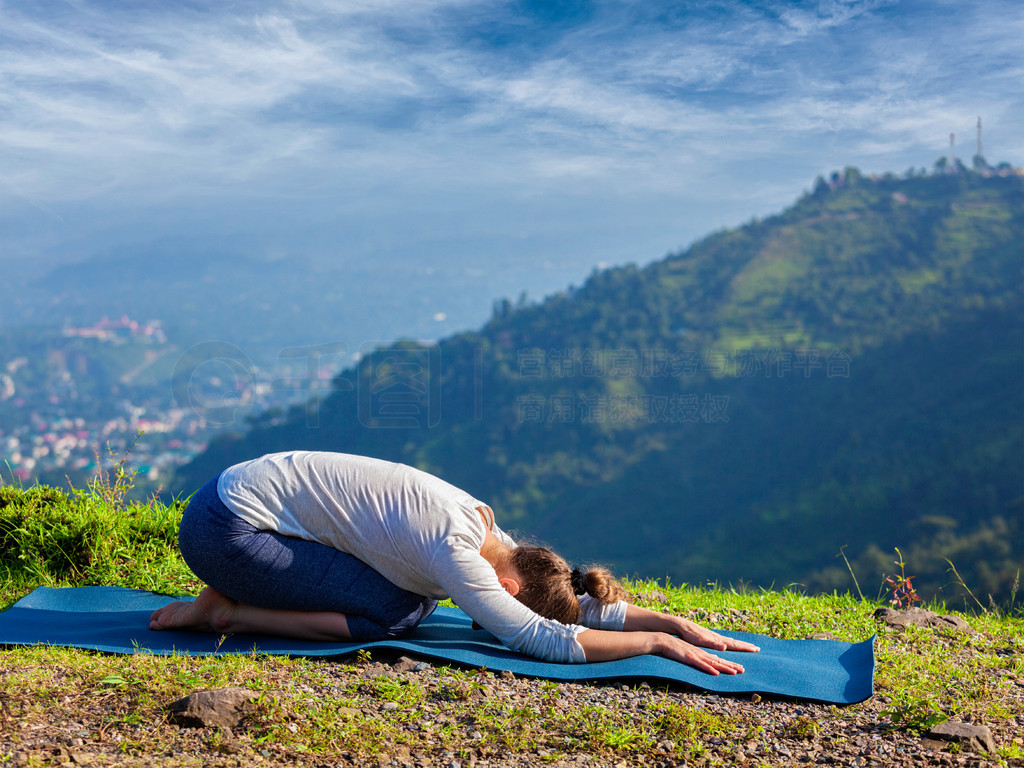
(842, 377)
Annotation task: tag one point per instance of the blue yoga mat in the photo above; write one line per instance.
(116, 620)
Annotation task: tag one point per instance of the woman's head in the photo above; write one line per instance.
(552, 589)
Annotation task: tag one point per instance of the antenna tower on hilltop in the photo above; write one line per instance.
(952, 153)
(980, 153)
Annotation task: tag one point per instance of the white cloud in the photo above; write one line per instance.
(383, 106)
(826, 14)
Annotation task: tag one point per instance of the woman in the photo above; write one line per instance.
(330, 546)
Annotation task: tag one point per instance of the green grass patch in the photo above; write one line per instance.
(52, 538)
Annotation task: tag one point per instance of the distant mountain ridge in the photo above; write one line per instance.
(846, 374)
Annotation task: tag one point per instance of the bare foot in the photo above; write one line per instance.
(210, 612)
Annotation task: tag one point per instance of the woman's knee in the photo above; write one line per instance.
(194, 534)
(391, 627)
(410, 620)
(208, 537)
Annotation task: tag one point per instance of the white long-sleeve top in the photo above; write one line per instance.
(419, 532)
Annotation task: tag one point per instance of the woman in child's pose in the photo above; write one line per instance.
(329, 546)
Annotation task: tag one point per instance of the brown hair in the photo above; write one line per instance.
(547, 584)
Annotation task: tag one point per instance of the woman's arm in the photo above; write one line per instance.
(601, 645)
(642, 620)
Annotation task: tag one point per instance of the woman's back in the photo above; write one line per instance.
(391, 516)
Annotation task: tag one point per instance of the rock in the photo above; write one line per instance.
(976, 738)
(654, 596)
(822, 636)
(920, 617)
(404, 664)
(955, 622)
(222, 707)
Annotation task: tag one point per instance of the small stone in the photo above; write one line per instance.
(976, 738)
(223, 707)
(755, 698)
(822, 636)
(920, 617)
(404, 664)
(389, 706)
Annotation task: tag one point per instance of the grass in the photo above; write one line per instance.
(51, 538)
(326, 713)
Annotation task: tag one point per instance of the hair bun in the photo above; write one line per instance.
(602, 586)
(578, 580)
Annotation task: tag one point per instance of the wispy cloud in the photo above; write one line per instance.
(376, 106)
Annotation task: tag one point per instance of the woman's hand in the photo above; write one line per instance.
(672, 647)
(641, 620)
(706, 638)
(601, 645)
(670, 636)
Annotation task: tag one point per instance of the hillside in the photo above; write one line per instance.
(846, 374)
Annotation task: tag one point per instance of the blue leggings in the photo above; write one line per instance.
(268, 570)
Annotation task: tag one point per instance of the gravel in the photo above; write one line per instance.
(764, 732)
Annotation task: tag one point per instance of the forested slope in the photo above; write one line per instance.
(845, 374)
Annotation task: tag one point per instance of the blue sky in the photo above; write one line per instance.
(523, 143)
